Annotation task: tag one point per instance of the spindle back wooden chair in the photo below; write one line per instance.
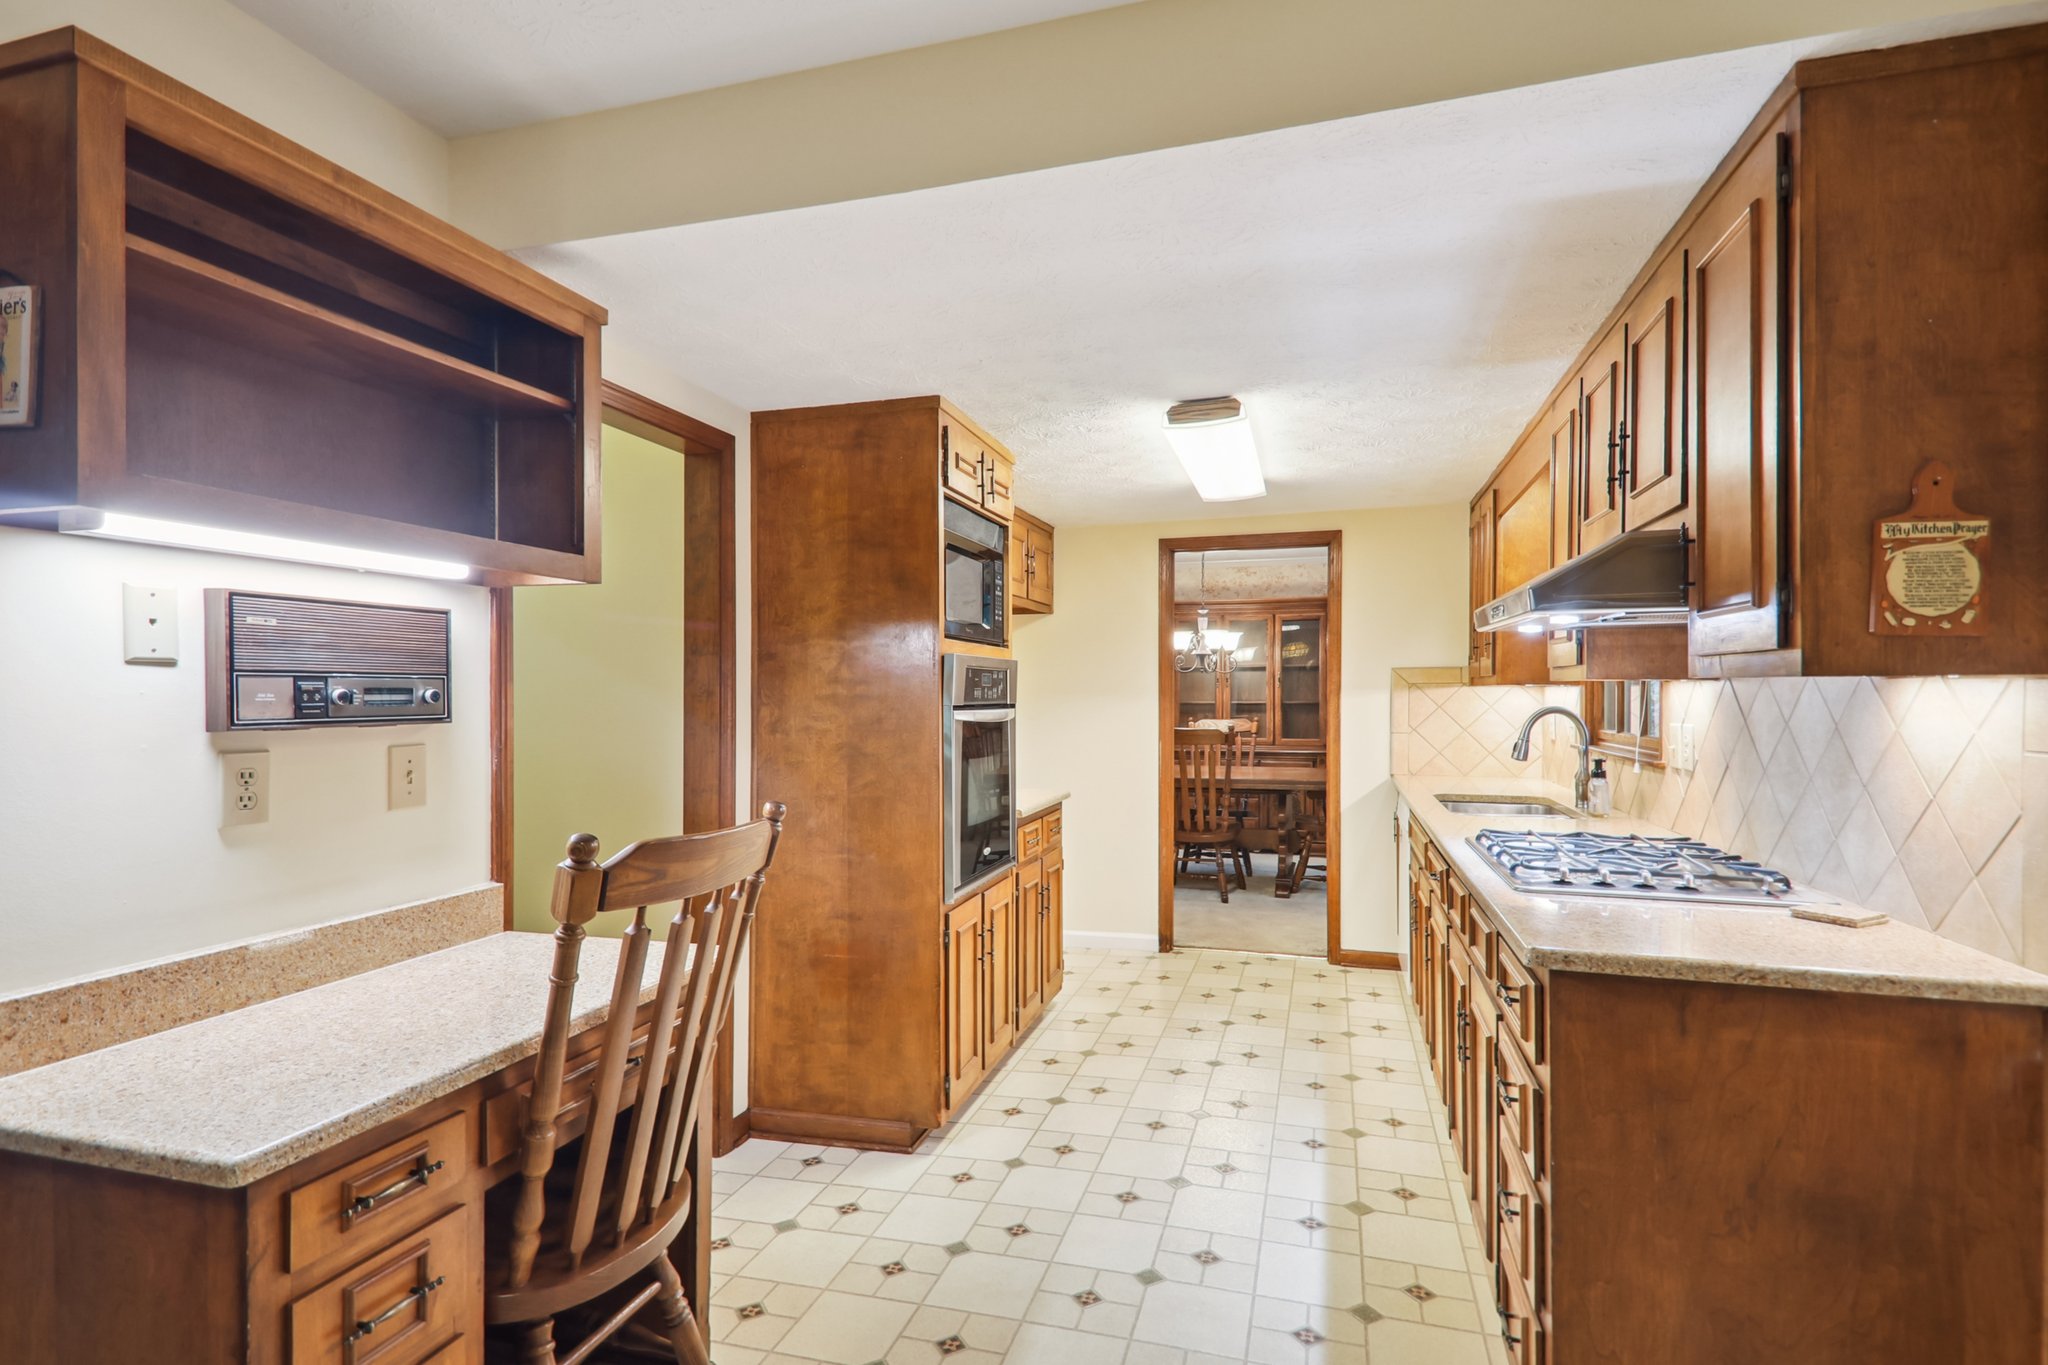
(572, 1239)
(1205, 821)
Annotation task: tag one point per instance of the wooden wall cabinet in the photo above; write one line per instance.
(1513, 525)
(240, 334)
(1030, 565)
(1860, 288)
(876, 1006)
(977, 469)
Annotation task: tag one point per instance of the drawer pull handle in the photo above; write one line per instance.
(367, 1203)
(1507, 1331)
(1510, 997)
(1507, 1095)
(1508, 1212)
(365, 1326)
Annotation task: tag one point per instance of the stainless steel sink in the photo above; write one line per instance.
(1504, 805)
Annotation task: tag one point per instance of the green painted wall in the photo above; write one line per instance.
(597, 687)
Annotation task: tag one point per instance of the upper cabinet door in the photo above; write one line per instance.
(1301, 678)
(963, 457)
(1652, 438)
(1560, 432)
(1734, 415)
(995, 485)
(1479, 663)
(1599, 466)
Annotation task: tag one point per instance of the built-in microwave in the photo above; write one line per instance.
(975, 582)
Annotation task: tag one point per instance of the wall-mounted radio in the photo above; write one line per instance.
(277, 663)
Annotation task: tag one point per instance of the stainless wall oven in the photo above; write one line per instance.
(980, 719)
(975, 582)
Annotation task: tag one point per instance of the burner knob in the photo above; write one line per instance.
(1647, 879)
(1603, 878)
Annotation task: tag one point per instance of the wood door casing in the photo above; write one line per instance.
(1733, 411)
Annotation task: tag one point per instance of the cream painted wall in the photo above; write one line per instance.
(220, 51)
(111, 851)
(597, 678)
(1088, 721)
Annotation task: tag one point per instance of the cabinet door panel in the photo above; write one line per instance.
(1053, 955)
(966, 1055)
(1030, 942)
(1733, 409)
(1561, 434)
(995, 486)
(1653, 447)
(1479, 663)
(962, 457)
(1598, 469)
(998, 986)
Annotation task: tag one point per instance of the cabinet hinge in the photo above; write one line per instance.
(946, 936)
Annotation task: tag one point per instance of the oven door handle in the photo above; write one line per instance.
(985, 713)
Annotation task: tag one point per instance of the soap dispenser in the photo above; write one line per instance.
(1599, 796)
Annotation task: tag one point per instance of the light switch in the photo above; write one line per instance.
(149, 624)
(408, 776)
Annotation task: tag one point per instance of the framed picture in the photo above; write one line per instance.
(20, 330)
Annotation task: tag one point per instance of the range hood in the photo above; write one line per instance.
(1636, 579)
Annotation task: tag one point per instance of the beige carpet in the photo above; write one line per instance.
(1255, 921)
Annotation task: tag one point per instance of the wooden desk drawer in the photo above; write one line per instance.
(359, 1204)
(1521, 1002)
(1030, 839)
(505, 1112)
(1053, 827)
(1522, 1107)
(400, 1306)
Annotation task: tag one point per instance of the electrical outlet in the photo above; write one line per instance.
(408, 776)
(1684, 756)
(245, 788)
(149, 624)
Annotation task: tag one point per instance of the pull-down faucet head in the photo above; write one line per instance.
(1520, 752)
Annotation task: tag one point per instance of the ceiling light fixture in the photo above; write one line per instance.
(1212, 438)
(188, 536)
(1203, 650)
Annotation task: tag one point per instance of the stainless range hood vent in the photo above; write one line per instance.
(1636, 579)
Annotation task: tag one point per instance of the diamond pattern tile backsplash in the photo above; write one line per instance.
(1926, 798)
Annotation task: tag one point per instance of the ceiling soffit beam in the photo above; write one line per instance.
(1137, 78)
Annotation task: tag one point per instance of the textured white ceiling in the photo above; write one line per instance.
(1391, 295)
(470, 66)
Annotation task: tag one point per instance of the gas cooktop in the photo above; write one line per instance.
(1581, 863)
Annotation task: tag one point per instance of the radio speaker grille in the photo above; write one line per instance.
(301, 635)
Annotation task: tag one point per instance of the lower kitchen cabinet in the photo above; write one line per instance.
(1696, 1172)
(1004, 958)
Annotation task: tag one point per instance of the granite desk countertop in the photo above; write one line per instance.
(1758, 946)
(231, 1099)
(1032, 803)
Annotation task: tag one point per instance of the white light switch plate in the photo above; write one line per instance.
(245, 789)
(149, 624)
(1684, 754)
(408, 776)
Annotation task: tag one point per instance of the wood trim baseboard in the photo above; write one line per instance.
(834, 1130)
(1353, 957)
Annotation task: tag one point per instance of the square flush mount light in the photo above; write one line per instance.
(1213, 440)
(189, 536)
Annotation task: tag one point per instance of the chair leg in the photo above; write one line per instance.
(537, 1344)
(1222, 873)
(681, 1324)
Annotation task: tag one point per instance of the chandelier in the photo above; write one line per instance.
(1203, 650)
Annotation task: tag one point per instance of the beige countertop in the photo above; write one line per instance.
(231, 1099)
(1034, 802)
(1762, 946)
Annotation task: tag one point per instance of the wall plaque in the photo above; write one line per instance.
(20, 321)
(1927, 569)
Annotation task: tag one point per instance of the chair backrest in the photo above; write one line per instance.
(717, 879)
(1243, 738)
(1201, 780)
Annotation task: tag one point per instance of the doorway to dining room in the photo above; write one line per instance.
(1249, 682)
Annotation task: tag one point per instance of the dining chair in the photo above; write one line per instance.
(566, 1233)
(1205, 823)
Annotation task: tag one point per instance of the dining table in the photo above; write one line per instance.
(1293, 783)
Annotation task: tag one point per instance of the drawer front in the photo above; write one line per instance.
(1053, 824)
(1521, 1002)
(1478, 931)
(1520, 1329)
(360, 1204)
(1519, 1218)
(1523, 1109)
(400, 1306)
(1030, 839)
(505, 1112)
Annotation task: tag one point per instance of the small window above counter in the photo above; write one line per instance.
(241, 339)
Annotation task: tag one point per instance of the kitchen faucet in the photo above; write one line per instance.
(1521, 750)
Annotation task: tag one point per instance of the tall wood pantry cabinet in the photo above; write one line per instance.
(876, 1006)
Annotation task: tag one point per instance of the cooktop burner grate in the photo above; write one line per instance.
(1632, 866)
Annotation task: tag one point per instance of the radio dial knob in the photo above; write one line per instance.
(431, 696)
(343, 696)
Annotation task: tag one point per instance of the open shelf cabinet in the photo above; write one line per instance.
(240, 334)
